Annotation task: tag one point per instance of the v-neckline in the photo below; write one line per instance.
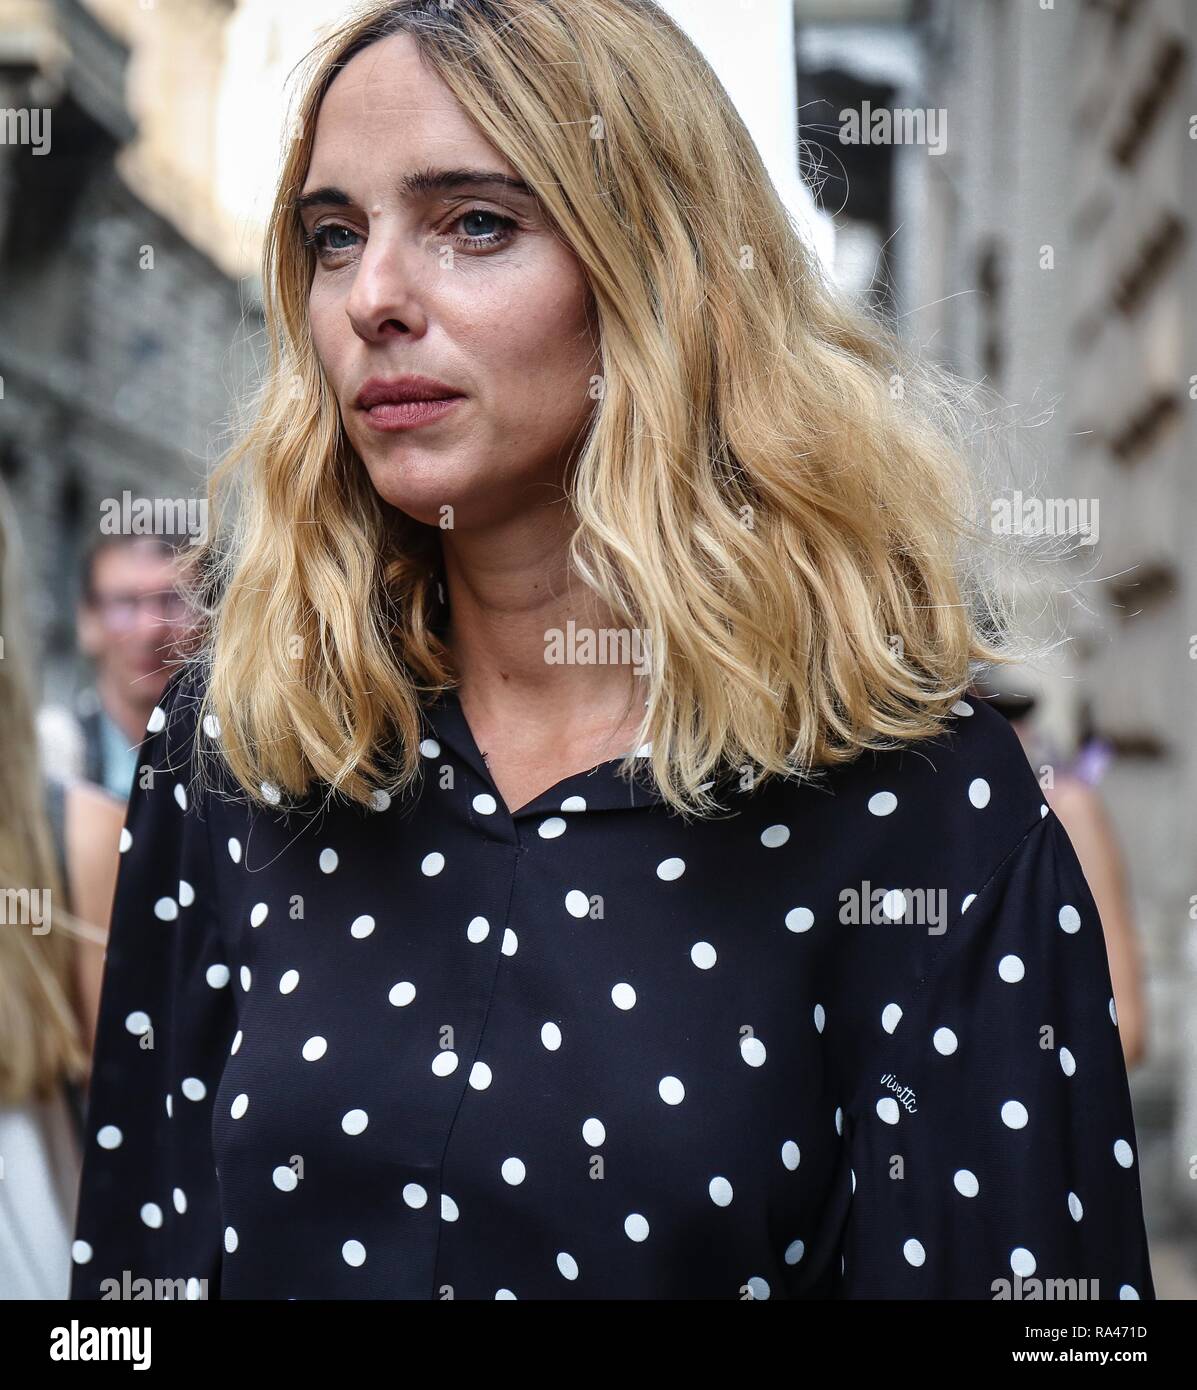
(599, 785)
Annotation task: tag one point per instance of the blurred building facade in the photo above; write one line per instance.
(1054, 258)
(123, 340)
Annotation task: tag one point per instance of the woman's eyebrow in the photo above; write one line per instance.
(424, 181)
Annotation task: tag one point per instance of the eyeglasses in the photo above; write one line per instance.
(119, 611)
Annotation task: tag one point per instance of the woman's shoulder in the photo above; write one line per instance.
(960, 801)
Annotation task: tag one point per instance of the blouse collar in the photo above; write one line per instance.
(599, 789)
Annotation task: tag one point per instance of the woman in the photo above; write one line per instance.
(449, 962)
(58, 858)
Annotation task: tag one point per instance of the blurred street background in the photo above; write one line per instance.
(1012, 182)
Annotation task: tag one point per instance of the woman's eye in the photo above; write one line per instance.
(325, 238)
(483, 228)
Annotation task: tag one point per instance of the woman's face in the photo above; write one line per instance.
(433, 261)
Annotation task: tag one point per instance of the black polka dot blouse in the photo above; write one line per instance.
(855, 1039)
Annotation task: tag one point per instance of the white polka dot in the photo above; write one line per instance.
(794, 1252)
(235, 849)
(1014, 1114)
(126, 842)
(169, 1107)
(361, 927)
(478, 930)
(314, 1049)
(380, 799)
(354, 1121)
(270, 793)
(1069, 918)
(259, 914)
(753, 1051)
(288, 982)
(1043, 809)
(965, 1182)
(193, 1289)
(1011, 969)
(963, 709)
(329, 859)
(839, 1119)
(449, 1210)
(1124, 1153)
(239, 1106)
(703, 955)
(893, 904)
(1075, 1210)
(774, 836)
(109, 1137)
(485, 804)
(445, 1062)
(891, 1016)
(945, 1041)
(968, 902)
(914, 1252)
(432, 864)
(671, 1090)
(166, 909)
(550, 1035)
(151, 1214)
(414, 1195)
(211, 725)
(791, 1155)
(623, 996)
(429, 748)
(1113, 1012)
(820, 1018)
(186, 893)
(758, 1287)
(577, 904)
(573, 803)
(1067, 1062)
(889, 1110)
(511, 942)
(230, 1239)
(800, 919)
(236, 1042)
(594, 1132)
(156, 721)
(480, 1076)
(284, 1178)
(567, 1265)
(1022, 1262)
(513, 1171)
(193, 1088)
(246, 978)
(402, 994)
(720, 1191)
(217, 976)
(670, 869)
(882, 803)
(1127, 1293)
(81, 1252)
(353, 1252)
(550, 829)
(505, 1295)
(635, 1227)
(978, 792)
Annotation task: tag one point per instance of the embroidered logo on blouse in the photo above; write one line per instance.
(905, 1097)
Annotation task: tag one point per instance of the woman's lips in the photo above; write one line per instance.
(409, 415)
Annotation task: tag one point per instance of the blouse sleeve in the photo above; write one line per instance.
(991, 1138)
(148, 1206)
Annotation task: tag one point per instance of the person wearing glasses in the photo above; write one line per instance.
(129, 616)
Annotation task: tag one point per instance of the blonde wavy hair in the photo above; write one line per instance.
(770, 487)
(41, 1042)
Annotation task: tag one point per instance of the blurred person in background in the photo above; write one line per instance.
(61, 840)
(1070, 789)
(129, 615)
